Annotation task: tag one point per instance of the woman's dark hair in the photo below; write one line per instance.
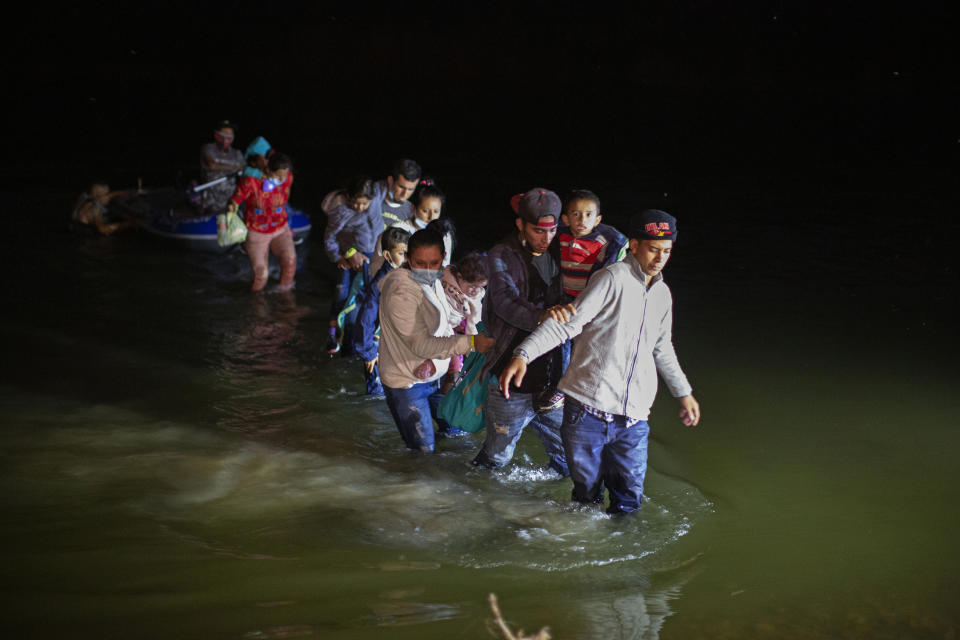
(424, 238)
(407, 169)
(472, 267)
(445, 226)
(359, 187)
(280, 161)
(582, 194)
(394, 236)
(427, 188)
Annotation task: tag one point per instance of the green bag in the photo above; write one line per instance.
(230, 229)
(462, 407)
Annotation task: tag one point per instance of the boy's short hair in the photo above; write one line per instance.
(472, 267)
(581, 194)
(407, 169)
(394, 236)
(280, 161)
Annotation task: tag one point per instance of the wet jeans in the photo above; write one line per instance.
(413, 410)
(505, 420)
(372, 379)
(607, 454)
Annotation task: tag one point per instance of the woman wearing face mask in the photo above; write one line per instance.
(265, 214)
(414, 325)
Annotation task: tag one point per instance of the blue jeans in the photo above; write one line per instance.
(372, 379)
(413, 410)
(346, 283)
(504, 421)
(607, 454)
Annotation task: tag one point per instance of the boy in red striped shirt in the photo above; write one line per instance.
(586, 245)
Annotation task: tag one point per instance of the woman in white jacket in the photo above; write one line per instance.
(414, 326)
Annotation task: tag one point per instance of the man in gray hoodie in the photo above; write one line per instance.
(625, 316)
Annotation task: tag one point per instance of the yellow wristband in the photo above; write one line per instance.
(350, 252)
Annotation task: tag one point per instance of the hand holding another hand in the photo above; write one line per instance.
(559, 312)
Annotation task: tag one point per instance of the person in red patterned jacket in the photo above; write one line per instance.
(265, 214)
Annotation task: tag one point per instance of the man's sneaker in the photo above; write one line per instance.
(548, 401)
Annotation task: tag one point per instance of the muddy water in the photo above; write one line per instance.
(179, 458)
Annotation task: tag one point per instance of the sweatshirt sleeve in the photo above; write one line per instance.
(336, 221)
(402, 304)
(551, 333)
(668, 366)
(504, 297)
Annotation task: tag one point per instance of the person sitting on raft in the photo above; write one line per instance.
(265, 214)
(413, 327)
(92, 210)
(218, 159)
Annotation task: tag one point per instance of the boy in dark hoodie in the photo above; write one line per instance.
(365, 342)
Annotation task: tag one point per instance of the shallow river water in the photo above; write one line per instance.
(181, 459)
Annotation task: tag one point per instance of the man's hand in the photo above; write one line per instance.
(689, 411)
(356, 261)
(343, 264)
(514, 371)
(370, 365)
(482, 343)
(560, 312)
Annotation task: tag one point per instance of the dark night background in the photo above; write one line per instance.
(768, 122)
(810, 153)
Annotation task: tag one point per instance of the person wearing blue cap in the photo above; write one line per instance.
(624, 319)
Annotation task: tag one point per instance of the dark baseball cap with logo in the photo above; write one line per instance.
(653, 224)
(536, 204)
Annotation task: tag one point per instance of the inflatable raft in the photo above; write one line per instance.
(169, 215)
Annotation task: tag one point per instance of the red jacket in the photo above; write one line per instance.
(264, 211)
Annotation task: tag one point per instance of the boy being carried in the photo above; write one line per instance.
(586, 246)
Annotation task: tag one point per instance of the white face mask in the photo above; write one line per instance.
(426, 277)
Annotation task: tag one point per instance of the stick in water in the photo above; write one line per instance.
(543, 634)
